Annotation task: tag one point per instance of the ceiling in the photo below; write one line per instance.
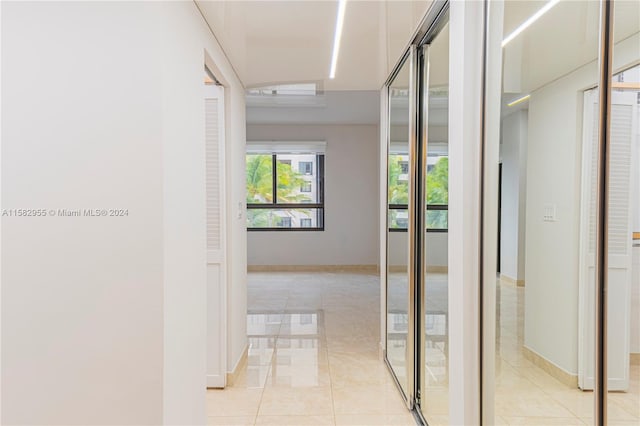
(561, 41)
(271, 42)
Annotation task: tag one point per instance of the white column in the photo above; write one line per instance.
(465, 135)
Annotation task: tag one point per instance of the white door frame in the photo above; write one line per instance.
(619, 265)
(216, 237)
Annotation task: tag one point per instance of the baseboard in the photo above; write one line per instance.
(550, 368)
(507, 279)
(233, 375)
(442, 269)
(398, 268)
(368, 269)
(634, 358)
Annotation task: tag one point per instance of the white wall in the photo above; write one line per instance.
(103, 319)
(333, 107)
(351, 200)
(635, 285)
(513, 150)
(436, 249)
(553, 177)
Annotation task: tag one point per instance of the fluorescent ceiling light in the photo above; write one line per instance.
(342, 4)
(547, 7)
(519, 100)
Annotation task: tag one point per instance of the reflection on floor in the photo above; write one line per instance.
(435, 388)
(313, 356)
(527, 395)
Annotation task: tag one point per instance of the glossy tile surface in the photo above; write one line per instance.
(528, 395)
(313, 355)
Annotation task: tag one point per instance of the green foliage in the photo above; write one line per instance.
(438, 182)
(398, 189)
(289, 183)
(259, 179)
(259, 170)
(437, 192)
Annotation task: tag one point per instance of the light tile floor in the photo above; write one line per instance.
(527, 395)
(313, 359)
(313, 356)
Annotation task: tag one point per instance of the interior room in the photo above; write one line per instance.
(284, 212)
(544, 309)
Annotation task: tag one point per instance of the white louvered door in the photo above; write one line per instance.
(624, 120)
(216, 272)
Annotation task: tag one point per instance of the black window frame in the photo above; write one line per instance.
(275, 205)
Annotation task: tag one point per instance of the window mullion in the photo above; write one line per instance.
(274, 178)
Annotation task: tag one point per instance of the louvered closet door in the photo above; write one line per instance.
(624, 116)
(216, 273)
(623, 131)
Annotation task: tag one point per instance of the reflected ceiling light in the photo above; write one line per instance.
(547, 7)
(342, 4)
(519, 100)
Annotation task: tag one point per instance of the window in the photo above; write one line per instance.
(285, 222)
(305, 167)
(282, 191)
(404, 167)
(437, 191)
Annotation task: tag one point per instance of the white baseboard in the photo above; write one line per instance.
(367, 269)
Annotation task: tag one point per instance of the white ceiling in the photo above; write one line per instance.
(561, 41)
(333, 107)
(292, 41)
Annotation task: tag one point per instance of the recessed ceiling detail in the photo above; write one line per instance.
(283, 42)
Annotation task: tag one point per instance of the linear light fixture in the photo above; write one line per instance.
(342, 4)
(547, 7)
(519, 100)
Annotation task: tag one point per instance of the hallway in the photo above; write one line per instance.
(313, 355)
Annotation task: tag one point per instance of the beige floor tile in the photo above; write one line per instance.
(611, 422)
(436, 402)
(581, 404)
(252, 377)
(375, 420)
(294, 420)
(438, 420)
(299, 375)
(371, 399)
(627, 401)
(231, 421)
(349, 370)
(285, 401)
(530, 404)
(544, 421)
(233, 402)
(618, 422)
(501, 421)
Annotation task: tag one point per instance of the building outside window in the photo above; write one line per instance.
(285, 222)
(306, 186)
(305, 167)
(285, 186)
